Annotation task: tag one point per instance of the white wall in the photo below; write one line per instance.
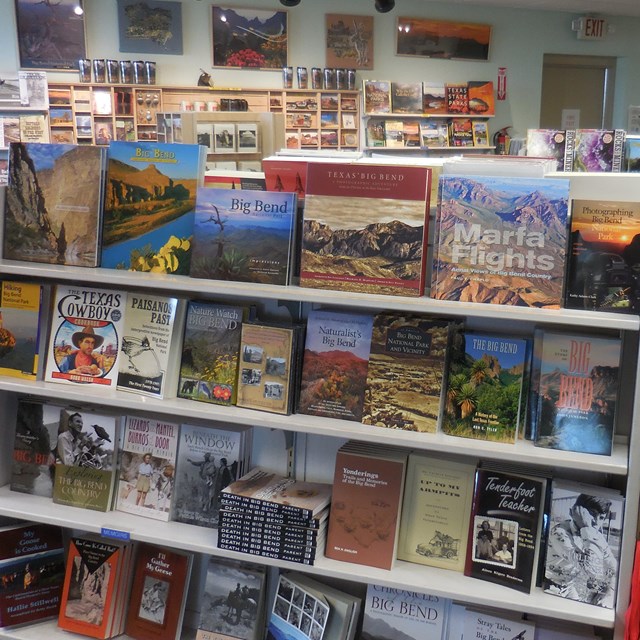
(519, 40)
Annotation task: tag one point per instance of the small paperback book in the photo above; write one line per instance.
(147, 467)
(599, 150)
(495, 625)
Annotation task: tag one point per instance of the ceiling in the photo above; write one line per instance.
(606, 7)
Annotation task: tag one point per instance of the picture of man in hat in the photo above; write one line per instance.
(83, 360)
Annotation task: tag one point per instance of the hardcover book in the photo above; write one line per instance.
(210, 353)
(435, 511)
(599, 150)
(147, 467)
(377, 96)
(365, 228)
(150, 198)
(406, 97)
(405, 372)
(243, 235)
(457, 96)
(501, 240)
(603, 254)
(334, 368)
(577, 392)
(434, 101)
(49, 217)
(481, 98)
(86, 336)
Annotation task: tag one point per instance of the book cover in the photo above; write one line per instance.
(484, 388)
(232, 600)
(86, 459)
(480, 131)
(209, 459)
(210, 353)
(150, 198)
(86, 336)
(506, 517)
(548, 143)
(334, 367)
(397, 614)
(435, 511)
(434, 101)
(501, 240)
(34, 129)
(158, 593)
(147, 467)
(32, 566)
(481, 98)
(411, 133)
(406, 97)
(632, 154)
(286, 175)
(577, 392)
(150, 344)
(224, 137)
(457, 96)
(394, 134)
(377, 96)
(461, 132)
(589, 519)
(48, 218)
(603, 256)
(434, 133)
(494, 625)
(374, 133)
(598, 150)
(405, 373)
(365, 228)
(243, 235)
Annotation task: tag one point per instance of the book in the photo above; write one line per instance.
(48, 219)
(411, 133)
(85, 336)
(501, 240)
(149, 204)
(394, 134)
(484, 388)
(434, 100)
(406, 97)
(577, 392)
(293, 553)
(377, 96)
(457, 96)
(589, 518)
(374, 133)
(224, 136)
(481, 97)
(504, 528)
(286, 174)
(550, 143)
(434, 133)
(34, 129)
(32, 567)
(598, 150)
(210, 352)
(243, 235)
(602, 256)
(209, 459)
(397, 614)
(405, 372)
(435, 511)
(249, 528)
(365, 228)
(485, 623)
(264, 514)
(147, 467)
(334, 367)
(461, 132)
(232, 604)
(480, 131)
(365, 507)
(153, 326)
(86, 459)
(248, 135)
(158, 593)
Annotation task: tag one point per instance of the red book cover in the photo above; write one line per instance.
(286, 175)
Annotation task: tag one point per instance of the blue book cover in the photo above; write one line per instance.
(243, 235)
(150, 198)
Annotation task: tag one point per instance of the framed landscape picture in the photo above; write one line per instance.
(349, 41)
(150, 26)
(249, 38)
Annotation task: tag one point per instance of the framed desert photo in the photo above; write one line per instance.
(441, 39)
(349, 41)
(249, 38)
(50, 34)
(150, 26)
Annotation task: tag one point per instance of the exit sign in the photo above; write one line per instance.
(590, 28)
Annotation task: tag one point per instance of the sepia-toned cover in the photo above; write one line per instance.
(406, 97)
(377, 96)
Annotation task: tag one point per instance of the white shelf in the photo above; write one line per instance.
(430, 116)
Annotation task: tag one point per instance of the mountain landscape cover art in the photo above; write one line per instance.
(501, 240)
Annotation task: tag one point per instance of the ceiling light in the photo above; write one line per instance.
(290, 3)
(383, 6)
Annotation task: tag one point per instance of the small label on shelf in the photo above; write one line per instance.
(106, 532)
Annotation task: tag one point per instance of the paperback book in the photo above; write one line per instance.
(481, 97)
(434, 133)
(434, 100)
(482, 623)
(375, 133)
(599, 150)
(552, 143)
(377, 96)
(406, 97)
(461, 132)
(480, 131)
(394, 134)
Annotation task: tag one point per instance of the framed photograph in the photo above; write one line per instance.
(348, 121)
(61, 117)
(247, 133)
(441, 39)
(62, 136)
(150, 26)
(349, 41)
(204, 135)
(50, 34)
(224, 135)
(249, 38)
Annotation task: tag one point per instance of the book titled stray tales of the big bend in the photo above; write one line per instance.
(365, 228)
(150, 197)
(501, 240)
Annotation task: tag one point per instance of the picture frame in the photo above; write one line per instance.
(150, 27)
(349, 41)
(443, 39)
(236, 41)
(224, 136)
(204, 135)
(247, 136)
(51, 36)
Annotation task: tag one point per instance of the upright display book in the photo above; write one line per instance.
(434, 100)
(147, 467)
(577, 392)
(435, 511)
(434, 133)
(150, 197)
(211, 352)
(54, 203)
(377, 96)
(481, 97)
(587, 518)
(86, 336)
(334, 368)
(405, 374)
(151, 337)
(599, 150)
(457, 96)
(158, 593)
(485, 624)
(501, 240)
(406, 97)
(552, 143)
(365, 228)
(603, 256)
(461, 132)
(32, 567)
(505, 526)
(480, 131)
(244, 235)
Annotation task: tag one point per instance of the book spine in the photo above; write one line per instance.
(269, 517)
(618, 150)
(569, 149)
(247, 503)
(294, 535)
(284, 555)
(265, 542)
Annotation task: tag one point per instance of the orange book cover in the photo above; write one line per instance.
(481, 98)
